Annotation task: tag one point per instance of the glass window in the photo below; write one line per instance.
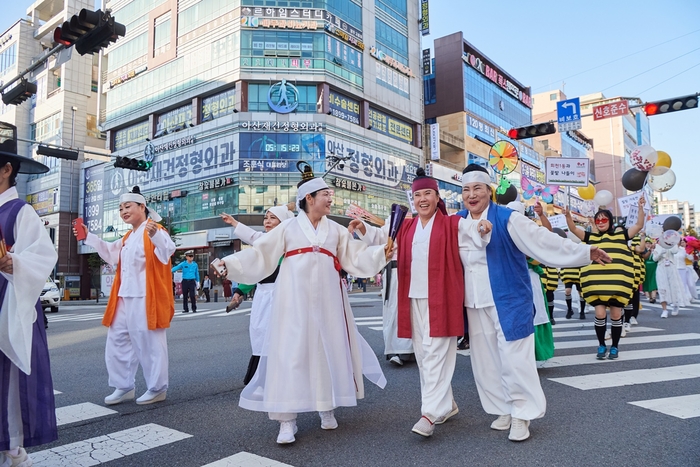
(257, 98)
(161, 35)
(8, 58)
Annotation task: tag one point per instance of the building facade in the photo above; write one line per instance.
(63, 112)
(683, 208)
(225, 98)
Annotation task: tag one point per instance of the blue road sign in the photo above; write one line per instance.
(569, 114)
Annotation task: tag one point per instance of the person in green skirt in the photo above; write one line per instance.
(649, 286)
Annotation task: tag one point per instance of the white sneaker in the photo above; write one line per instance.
(149, 397)
(22, 459)
(519, 430)
(287, 431)
(452, 413)
(328, 421)
(502, 423)
(664, 314)
(396, 360)
(424, 427)
(675, 311)
(119, 396)
(633, 320)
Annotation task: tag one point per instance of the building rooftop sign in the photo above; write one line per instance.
(483, 65)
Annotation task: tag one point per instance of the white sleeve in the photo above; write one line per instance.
(357, 258)
(108, 251)
(254, 264)
(246, 234)
(164, 245)
(33, 259)
(546, 247)
(374, 235)
(469, 236)
(658, 253)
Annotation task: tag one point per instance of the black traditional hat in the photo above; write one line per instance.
(8, 151)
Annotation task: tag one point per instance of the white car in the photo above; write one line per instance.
(50, 296)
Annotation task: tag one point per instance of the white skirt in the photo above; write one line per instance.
(260, 312)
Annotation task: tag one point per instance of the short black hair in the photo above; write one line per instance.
(15, 168)
(474, 168)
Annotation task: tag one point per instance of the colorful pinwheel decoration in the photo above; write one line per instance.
(530, 189)
(503, 157)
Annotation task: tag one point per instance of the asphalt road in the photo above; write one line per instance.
(200, 423)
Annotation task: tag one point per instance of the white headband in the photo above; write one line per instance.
(281, 212)
(475, 176)
(310, 187)
(138, 198)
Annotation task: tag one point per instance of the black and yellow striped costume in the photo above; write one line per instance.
(571, 276)
(612, 284)
(550, 279)
(639, 266)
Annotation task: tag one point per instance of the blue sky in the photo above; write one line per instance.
(549, 44)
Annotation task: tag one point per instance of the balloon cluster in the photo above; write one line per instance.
(601, 198)
(651, 167)
(671, 235)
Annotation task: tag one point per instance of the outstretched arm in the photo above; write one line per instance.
(543, 218)
(573, 228)
(634, 230)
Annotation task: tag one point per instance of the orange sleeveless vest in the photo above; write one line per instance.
(160, 303)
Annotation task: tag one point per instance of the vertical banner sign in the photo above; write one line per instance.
(426, 62)
(434, 141)
(94, 198)
(424, 18)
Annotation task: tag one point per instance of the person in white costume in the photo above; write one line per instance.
(670, 287)
(27, 258)
(262, 301)
(499, 298)
(313, 357)
(141, 304)
(684, 263)
(397, 349)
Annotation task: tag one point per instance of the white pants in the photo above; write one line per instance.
(15, 426)
(129, 342)
(393, 344)
(436, 358)
(505, 372)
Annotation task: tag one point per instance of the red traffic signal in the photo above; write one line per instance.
(671, 105)
(532, 131)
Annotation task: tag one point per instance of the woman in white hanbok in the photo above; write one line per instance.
(313, 356)
(668, 281)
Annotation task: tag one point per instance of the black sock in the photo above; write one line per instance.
(599, 326)
(615, 331)
(550, 303)
(582, 306)
(568, 303)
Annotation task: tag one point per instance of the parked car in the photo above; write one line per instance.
(50, 296)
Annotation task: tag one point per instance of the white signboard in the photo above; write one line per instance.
(435, 141)
(558, 222)
(627, 202)
(566, 171)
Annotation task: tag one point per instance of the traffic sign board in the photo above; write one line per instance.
(615, 109)
(569, 115)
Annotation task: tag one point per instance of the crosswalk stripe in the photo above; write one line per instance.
(625, 355)
(627, 341)
(680, 407)
(246, 459)
(199, 313)
(587, 332)
(369, 323)
(631, 377)
(108, 447)
(376, 328)
(80, 412)
(367, 318)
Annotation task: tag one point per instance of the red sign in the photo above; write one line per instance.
(616, 109)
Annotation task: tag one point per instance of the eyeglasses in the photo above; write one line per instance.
(601, 221)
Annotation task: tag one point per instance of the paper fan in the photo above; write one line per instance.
(503, 157)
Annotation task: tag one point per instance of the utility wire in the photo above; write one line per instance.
(669, 79)
(546, 86)
(651, 69)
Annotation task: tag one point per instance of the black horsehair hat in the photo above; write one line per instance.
(8, 151)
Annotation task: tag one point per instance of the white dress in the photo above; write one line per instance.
(313, 357)
(668, 280)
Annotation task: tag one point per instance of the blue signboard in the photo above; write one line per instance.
(569, 115)
(279, 152)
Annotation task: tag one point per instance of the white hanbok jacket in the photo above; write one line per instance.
(313, 357)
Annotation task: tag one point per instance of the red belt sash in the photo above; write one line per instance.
(314, 249)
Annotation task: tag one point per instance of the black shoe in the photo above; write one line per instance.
(569, 314)
(194, 311)
(463, 344)
(652, 300)
(185, 311)
(582, 315)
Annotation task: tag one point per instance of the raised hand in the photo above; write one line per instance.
(151, 227)
(228, 218)
(484, 227)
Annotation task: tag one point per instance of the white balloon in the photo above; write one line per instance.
(654, 230)
(644, 158)
(663, 182)
(603, 198)
(659, 170)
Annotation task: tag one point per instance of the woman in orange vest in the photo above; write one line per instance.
(141, 304)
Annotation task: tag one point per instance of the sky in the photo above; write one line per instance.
(644, 48)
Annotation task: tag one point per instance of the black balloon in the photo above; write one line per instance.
(559, 232)
(634, 179)
(511, 194)
(672, 223)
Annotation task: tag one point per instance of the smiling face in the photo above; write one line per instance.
(320, 205)
(425, 201)
(270, 221)
(132, 213)
(602, 223)
(476, 197)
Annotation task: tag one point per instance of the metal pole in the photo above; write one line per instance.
(33, 66)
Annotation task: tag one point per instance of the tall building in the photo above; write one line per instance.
(63, 112)
(682, 208)
(614, 135)
(470, 103)
(226, 98)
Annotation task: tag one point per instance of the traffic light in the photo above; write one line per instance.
(671, 105)
(89, 31)
(57, 153)
(532, 131)
(133, 164)
(20, 93)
